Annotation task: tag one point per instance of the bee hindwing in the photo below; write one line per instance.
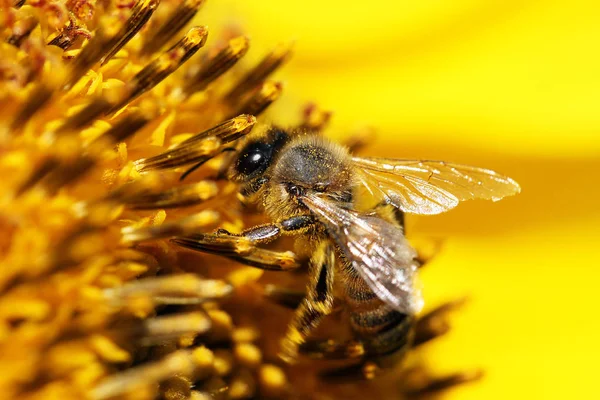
(377, 250)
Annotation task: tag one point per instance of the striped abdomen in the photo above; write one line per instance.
(382, 329)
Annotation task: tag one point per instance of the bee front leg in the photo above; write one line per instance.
(317, 303)
(243, 247)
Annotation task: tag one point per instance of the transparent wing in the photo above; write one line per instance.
(377, 250)
(430, 187)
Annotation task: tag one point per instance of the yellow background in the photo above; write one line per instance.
(508, 85)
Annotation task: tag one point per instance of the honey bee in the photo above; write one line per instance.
(311, 187)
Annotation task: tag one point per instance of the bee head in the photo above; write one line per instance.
(257, 155)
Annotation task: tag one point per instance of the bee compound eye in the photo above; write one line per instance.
(250, 162)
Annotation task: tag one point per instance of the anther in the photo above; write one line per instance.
(178, 18)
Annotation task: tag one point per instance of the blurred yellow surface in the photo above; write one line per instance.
(509, 85)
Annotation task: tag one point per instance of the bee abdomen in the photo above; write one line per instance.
(358, 293)
(381, 328)
(376, 320)
(384, 330)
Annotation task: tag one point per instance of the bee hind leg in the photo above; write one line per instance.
(317, 303)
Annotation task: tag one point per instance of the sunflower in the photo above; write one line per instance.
(101, 100)
(93, 97)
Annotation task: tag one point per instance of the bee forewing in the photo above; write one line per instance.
(377, 250)
(430, 187)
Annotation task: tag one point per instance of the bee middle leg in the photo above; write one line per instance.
(243, 247)
(317, 303)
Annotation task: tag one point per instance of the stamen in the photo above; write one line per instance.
(213, 388)
(124, 128)
(85, 116)
(173, 24)
(37, 175)
(417, 382)
(273, 382)
(69, 171)
(248, 355)
(245, 334)
(330, 349)
(314, 119)
(21, 30)
(196, 395)
(36, 100)
(128, 191)
(201, 147)
(184, 226)
(97, 47)
(178, 288)
(259, 73)
(176, 197)
(224, 362)
(218, 65)
(360, 139)
(156, 330)
(262, 98)
(164, 65)
(222, 328)
(181, 362)
(242, 385)
(140, 14)
(435, 323)
(65, 38)
(102, 42)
